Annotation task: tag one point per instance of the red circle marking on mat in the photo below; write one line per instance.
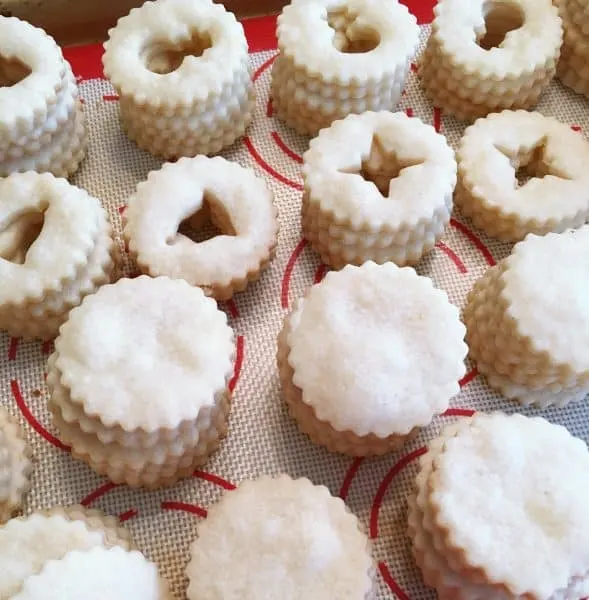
(269, 169)
(232, 308)
(128, 515)
(320, 273)
(472, 237)
(47, 347)
(105, 488)
(31, 419)
(390, 581)
(212, 478)
(459, 412)
(351, 473)
(285, 287)
(453, 257)
(239, 355)
(265, 65)
(13, 348)
(472, 374)
(194, 509)
(284, 148)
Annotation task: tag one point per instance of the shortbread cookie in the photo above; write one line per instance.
(96, 574)
(170, 366)
(578, 13)
(496, 150)
(528, 320)
(370, 355)
(15, 466)
(337, 60)
(239, 204)
(296, 538)
(56, 247)
(41, 121)
(490, 57)
(532, 507)
(27, 543)
(573, 69)
(361, 177)
(184, 66)
(432, 556)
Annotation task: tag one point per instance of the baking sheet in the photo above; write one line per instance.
(262, 438)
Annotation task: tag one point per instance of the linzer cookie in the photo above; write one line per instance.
(573, 67)
(496, 156)
(15, 466)
(336, 59)
(362, 175)
(56, 247)
(528, 320)
(96, 574)
(280, 535)
(42, 124)
(369, 356)
(28, 543)
(498, 511)
(484, 57)
(138, 380)
(182, 73)
(199, 191)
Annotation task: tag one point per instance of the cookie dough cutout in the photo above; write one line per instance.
(362, 176)
(27, 543)
(15, 466)
(296, 538)
(485, 56)
(521, 172)
(528, 321)
(237, 202)
(522, 524)
(96, 574)
(369, 356)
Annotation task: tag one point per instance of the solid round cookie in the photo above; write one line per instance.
(369, 355)
(362, 176)
(507, 500)
(96, 574)
(15, 465)
(280, 534)
(27, 543)
(238, 202)
(143, 51)
(492, 154)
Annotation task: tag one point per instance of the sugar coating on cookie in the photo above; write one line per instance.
(280, 534)
(376, 349)
(96, 574)
(546, 285)
(145, 353)
(490, 155)
(509, 494)
(27, 544)
(239, 202)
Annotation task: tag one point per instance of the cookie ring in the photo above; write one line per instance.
(490, 155)
(501, 47)
(239, 202)
(223, 45)
(34, 70)
(361, 176)
(15, 466)
(306, 40)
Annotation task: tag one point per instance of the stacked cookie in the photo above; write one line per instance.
(361, 176)
(41, 120)
(335, 61)
(181, 69)
(499, 511)
(527, 320)
(143, 418)
(573, 68)
(521, 172)
(56, 247)
(508, 62)
(296, 538)
(15, 466)
(369, 356)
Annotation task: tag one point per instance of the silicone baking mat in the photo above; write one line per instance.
(262, 438)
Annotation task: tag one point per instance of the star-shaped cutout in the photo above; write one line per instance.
(380, 166)
(350, 36)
